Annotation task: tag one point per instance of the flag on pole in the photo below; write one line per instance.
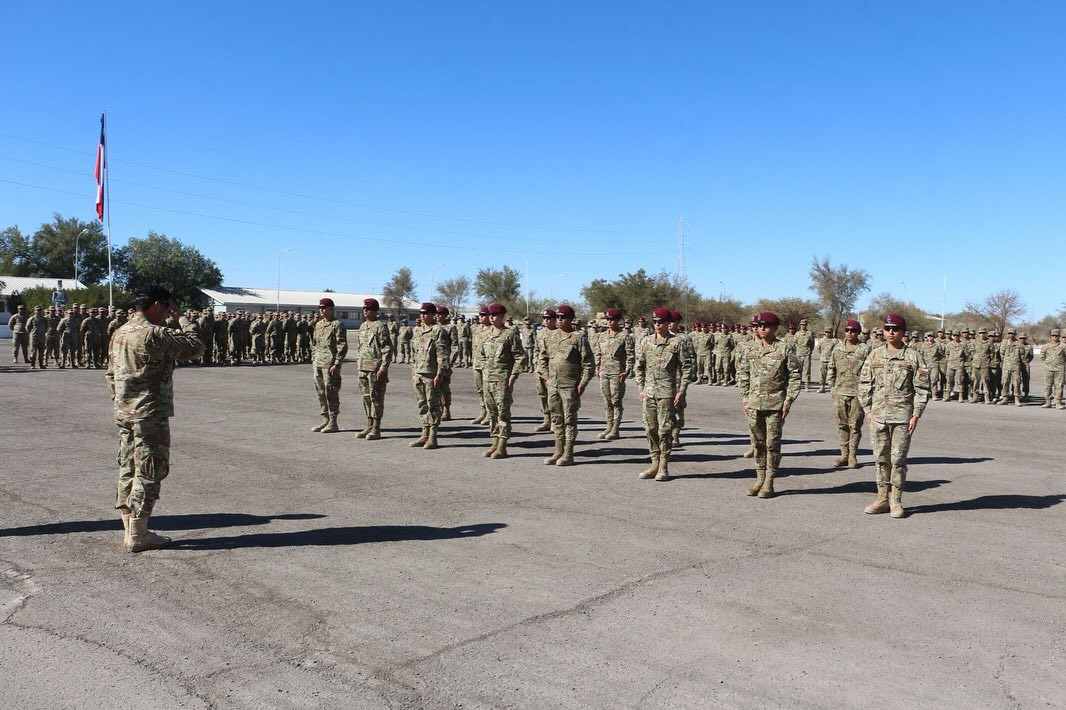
(101, 166)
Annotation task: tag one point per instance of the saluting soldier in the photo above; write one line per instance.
(504, 360)
(663, 374)
(615, 359)
(567, 363)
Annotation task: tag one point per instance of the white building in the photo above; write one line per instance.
(10, 285)
(348, 308)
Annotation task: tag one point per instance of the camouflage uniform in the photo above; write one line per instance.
(958, 358)
(541, 374)
(981, 368)
(528, 337)
(51, 338)
(38, 329)
(663, 373)
(429, 345)
(206, 323)
(1012, 353)
(803, 342)
(291, 331)
(723, 353)
(331, 345)
(1027, 359)
(20, 336)
(688, 350)
(1054, 356)
(769, 377)
(222, 327)
(932, 351)
(466, 343)
(842, 376)
(504, 358)
(615, 359)
(66, 329)
(375, 356)
(257, 339)
(825, 353)
(568, 364)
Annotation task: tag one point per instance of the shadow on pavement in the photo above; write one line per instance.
(786, 472)
(911, 461)
(355, 535)
(1000, 502)
(191, 521)
(865, 487)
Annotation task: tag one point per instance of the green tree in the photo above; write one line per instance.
(637, 294)
(789, 310)
(51, 251)
(838, 289)
(183, 270)
(453, 293)
(500, 286)
(95, 295)
(400, 288)
(720, 310)
(999, 309)
(884, 303)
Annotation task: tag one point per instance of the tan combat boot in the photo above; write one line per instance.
(853, 451)
(375, 429)
(140, 538)
(767, 490)
(567, 459)
(322, 425)
(841, 460)
(895, 503)
(331, 425)
(558, 453)
(480, 418)
(749, 454)
(613, 433)
(501, 449)
(366, 430)
(446, 415)
(487, 453)
(608, 422)
(881, 504)
(650, 471)
(676, 440)
(421, 441)
(431, 439)
(545, 425)
(663, 474)
(125, 528)
(760, 476)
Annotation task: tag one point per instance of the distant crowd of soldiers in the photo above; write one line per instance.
(75, 337)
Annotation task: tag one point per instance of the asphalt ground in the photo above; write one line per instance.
(316, 570)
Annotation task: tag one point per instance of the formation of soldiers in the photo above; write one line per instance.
(74, 337)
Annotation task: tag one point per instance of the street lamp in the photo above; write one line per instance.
(551, 286)
(279, 277)
(77, 240)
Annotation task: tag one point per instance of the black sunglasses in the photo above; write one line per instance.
(892, 327)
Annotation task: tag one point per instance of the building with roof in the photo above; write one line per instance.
(10, 285)
(348, 309)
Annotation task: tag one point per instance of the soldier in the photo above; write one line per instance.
(67, 330)
(1027, 359)
(615, 359)
(20, 334)
(394, 336)
(257, 336)
(689, 352)
(770, 378)
(641, 331)
(237, 332)
(78, 313)
(466, 341)
(291, 331)
(958, 358)
(222, 326)
(87, 336)
(893, 389)
(51, 337)
(933, 353)
(479, 330)
(140, 380)
(567, 364)
(331, 345)
(995, 369)
(375, 356)
(843, 380)
(404, 339)
(206, 324)
(303, 338)
(1012, 354)
(803, 342)
(431, 358)
(37, 325)
(723, 353)
(1054, 356)
(528, 337)
(452, 334)
(703, 341)
(825, 353)
(547, 325)
(981, 367)
(118, 322)
(663, 374)
(504, 358)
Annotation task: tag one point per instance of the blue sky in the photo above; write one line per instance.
(917, 140)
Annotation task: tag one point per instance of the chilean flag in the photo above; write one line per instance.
(101, 166)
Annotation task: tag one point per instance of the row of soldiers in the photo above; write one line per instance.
(271, 338)
(77, 336)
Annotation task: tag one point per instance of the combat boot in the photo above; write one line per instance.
(140, 538)
(676, 439)
(1046, 405)
(501, 449)
(487, 453)
(331, 425)
(545, 425)
(749, 454)
(760, 476)
(126, 528)
(322, 424)
(663, 473)
(567, 459)
(375, 429)
(881, 504)
(650, 471)
(421, 441)
(366, 430)
(767, 489)
(431, 439)
(558, 453)
(446, 415)
(853, 451)
(606, 430)
(896, 502)
(613, 433)
(841, 460)
(479, 419)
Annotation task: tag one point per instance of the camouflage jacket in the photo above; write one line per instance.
(803, 342)
(566, 359)
(826, 345)
(207, 327)
(256, 331)
(615, 353)
(932, 352)
(1013, 355)
(663, 370)
(18, 323)
(431, 349)
(723, 344)
(894, 384)
(957, 354)
(844, 368)
(375, 346)
(502, 354)
(983, 351)
(478, 333)
(38, 326)
(688, 351)
(67, 328)
(140, 371)
(527, 335)
(768, 375)
(331, 343)
(1054, 356)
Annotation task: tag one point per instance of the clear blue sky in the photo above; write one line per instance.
(916, 140)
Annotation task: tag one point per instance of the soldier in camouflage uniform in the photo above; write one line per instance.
(615, 359)
(528, 337)
(894, 390)
(825, 353)
(140, 378)
(843, 379)
(723, 353)
(803, 342)
(548, 324)
(206, 325)
(51, 336)
(1012, 354)
(504, 358)
(1027, 359)
(478, 332)
(568, 364)
(466, 342)
(933, 353)
(958, 358)
(20, 334)
(689, 352)
(451, 332)
(981, 367)
(375, 356)
(1054, 356)
(257, 338)
(118, 322)
(66, 330)
(37, 325)
(769, 377)
(331, 345)
(663, 375)
(432, 358)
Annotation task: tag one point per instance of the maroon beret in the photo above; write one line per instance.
(497, 309)
(326, 302)
(675, 316)
(897, 320)
(371, 303)
(613, 313)
(483, 311)
(549, 313)
(767, 318)
(428, 307)
(443, 310)
(852, 323)
(564, 311)
(663, 314)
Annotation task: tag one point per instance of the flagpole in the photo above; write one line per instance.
(107, 197)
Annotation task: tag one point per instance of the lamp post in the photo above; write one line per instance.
(551, 286)
(77, 241)
(279, 278)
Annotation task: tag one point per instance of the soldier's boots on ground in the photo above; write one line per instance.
(663, 472)
(139, 538)
(567, 459)
(760, 476)
(421, 441)
(375, 429)
(895, 503)
(545, 425)
(331, 425)
(853, 451)
(560, 444)
(881, 505)
(650, 471)
(613, 434)
(767, 489)
(323, 424)
(431, 439)
(842, 460)
(366, 430)
(500, 452)
(446, 414)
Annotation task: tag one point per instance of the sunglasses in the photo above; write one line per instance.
(612, 319)
(851, 330)
(892, 328)
(566, 317)
(657, 320)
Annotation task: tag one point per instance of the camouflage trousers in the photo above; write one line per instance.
(328, 389)
(446, 389)
(236, 349)
(936, 379)
(89, 351)
(258, 348)
(66, 349)
(823, 373)
(428, 399)
(849, 419)
(765, 428)
(1053, 387)
(721, 368)
(468, 352)
(981, 383)
(20, 341)
(891, 443)
(1025, 379)
(956, 376)
(222, 351)
(542, 394)
(143, 463)
(659, 424)
(498, 402)
(37, 352)
(479, 385)
(613, 389)
(805, 370)
(373, 389)
(51, 348)
(703, 366)
(564, 403)
(1012, 382)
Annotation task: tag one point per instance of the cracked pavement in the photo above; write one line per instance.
(323, 571)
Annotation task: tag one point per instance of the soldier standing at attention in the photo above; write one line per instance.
(452, 334)
(663, 374)
(66, 330)
(140, 378)
(331, 345)
(479, 331)
(933, 353)
(528, 337)
(547, 324)
(825, 354)
(615, 359)
(958, 355)
(429, 343)
(1012, 354)
(466, 341)
(769, 377)
(981, 364)
(1027, 359)
(894, 389)
(803, 341)
(257, 335)
(505, 359)
(51, 337)
(689, 352)
(375, 356)
(38, 329)
(567, 363)
(222, 326)
(207, 334)
(843, 380)
(1054, 356)
(20, 338)
(723, 353)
